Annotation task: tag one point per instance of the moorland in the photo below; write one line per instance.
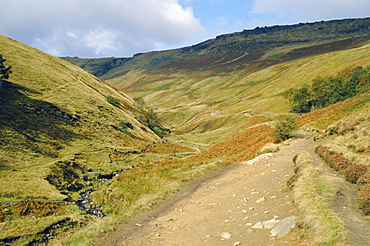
(88, 143)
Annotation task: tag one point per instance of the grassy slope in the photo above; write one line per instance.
(199, 103)
(39, 82)
(238, 48)
(54, 111)
(217, 84)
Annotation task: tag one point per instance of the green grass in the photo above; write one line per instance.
(37, 104)
(237, 92)
(311, 194)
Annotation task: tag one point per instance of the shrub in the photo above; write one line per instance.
(123, 126)
(354, 172)
(114, 101)
(285, 129)
(66, 176)
(364, 200)
(4, 71)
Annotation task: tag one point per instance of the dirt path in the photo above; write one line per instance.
(221, 208)
(345, 204)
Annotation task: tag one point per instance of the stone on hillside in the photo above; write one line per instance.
(283, 227)
(258, 225)
(258, 158)
(225, 235)
(262, 199)
(269, 224)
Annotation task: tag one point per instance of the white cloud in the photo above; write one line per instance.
(102, 40)
(95, 28)
(90, 28)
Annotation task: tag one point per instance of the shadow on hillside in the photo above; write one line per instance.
(27, 123)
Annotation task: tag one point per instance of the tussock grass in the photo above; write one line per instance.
(83, 236)
(353, 139)
(311, 192)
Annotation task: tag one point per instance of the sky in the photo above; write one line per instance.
(122, 28)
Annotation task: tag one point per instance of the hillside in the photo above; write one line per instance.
(236, 49)
(58, 124)
(79, 155)
(219, 83)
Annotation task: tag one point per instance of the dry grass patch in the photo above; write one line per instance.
(322, 118)
(311, 193)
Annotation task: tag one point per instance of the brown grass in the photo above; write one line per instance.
(242, 147)
(324, 117)
(353, 172)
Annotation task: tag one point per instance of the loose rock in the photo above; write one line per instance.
(269, 224)
(262, 199)
(225, 235)
(284, 227)
(258, 225)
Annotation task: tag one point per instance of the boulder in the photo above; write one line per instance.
(284, 227)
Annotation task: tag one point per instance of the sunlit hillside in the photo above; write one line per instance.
(78, 155)
(54, 115)
(217, 84)
(216, 90)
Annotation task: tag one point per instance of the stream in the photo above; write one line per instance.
(86, 203)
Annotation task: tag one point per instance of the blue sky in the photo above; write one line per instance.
(121, 28)
(216, 15)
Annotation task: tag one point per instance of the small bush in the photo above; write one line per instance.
(364, 200)
(66, 176)
(285, 129)
(354, 172)
(268, 148)
(114, 101)
(123, 126)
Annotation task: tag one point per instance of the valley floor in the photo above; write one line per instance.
(225, 208)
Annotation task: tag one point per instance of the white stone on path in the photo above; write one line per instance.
(283, 227)
(269, 224)
(258, 158)
(258, 225)
(262, 199)
(225, 235)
